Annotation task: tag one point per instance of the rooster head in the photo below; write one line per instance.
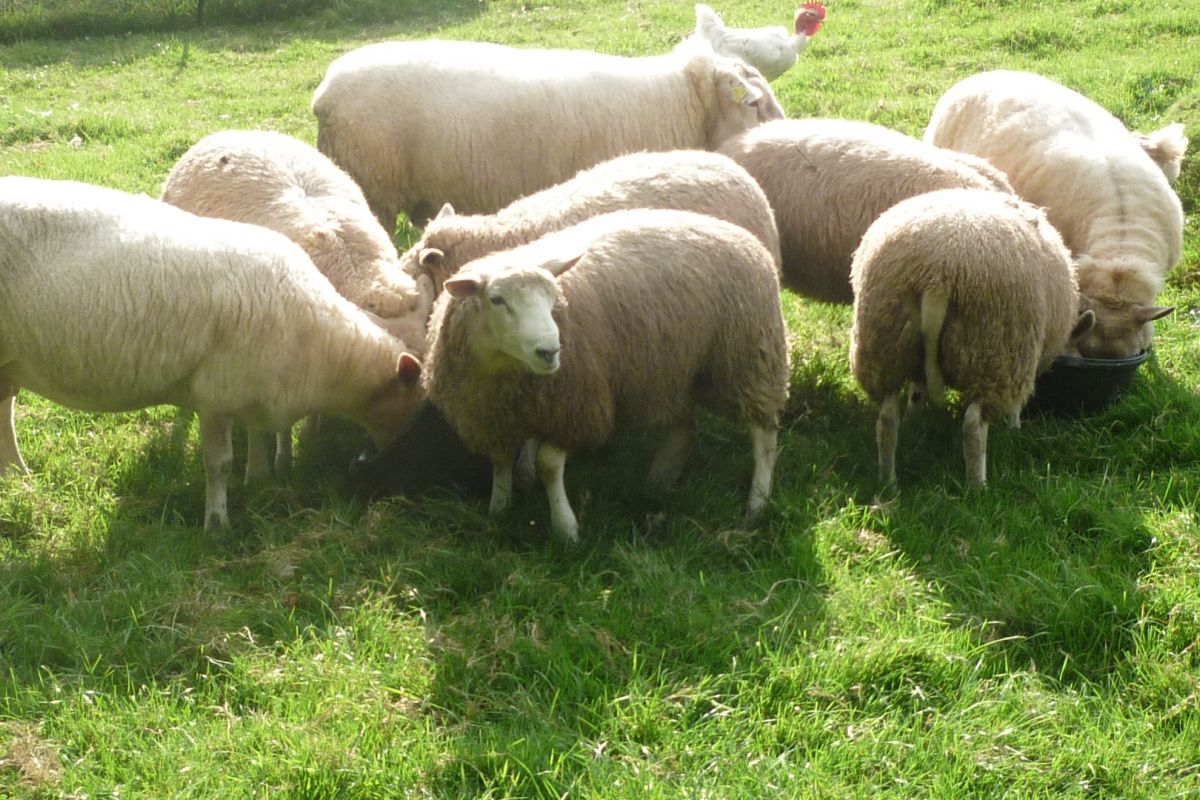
(809, 17)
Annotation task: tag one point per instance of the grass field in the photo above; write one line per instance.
(1040, 639)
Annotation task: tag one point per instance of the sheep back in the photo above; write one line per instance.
(829, 179)
(1108, 198)
(686, 180)
(1008, 278)
(664, 310)
(419, 124)
(111, 301)
(270, 179)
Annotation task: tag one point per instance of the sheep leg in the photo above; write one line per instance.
(551, 462)
(10, 454)
(887, 428)
(670, 458)
(502, 484)
(764, 442)
(975, 431)
(216, 439)
(257, 466)
(526, 469)
(283, 452)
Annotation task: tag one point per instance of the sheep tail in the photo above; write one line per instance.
(934, 305)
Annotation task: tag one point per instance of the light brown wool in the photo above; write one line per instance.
(686, 180)
(664, 311)
(829, 179)
(1004, 281)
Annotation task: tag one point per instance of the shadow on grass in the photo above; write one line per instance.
(664, 611)
(106, 47)
(1048, 562)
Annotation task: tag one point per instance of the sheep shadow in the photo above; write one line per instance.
(1048, 563)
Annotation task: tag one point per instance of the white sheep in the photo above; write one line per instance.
(829, 179)
(478, 125)
(964, 288)
(274, 180)
(279, 182)
(1098, 182)
(112, 302)
(687, 180)
(652, 312)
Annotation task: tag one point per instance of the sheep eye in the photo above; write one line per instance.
(496, 299)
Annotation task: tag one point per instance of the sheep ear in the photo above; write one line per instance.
(1083, 324)
(447, 210)
(408, 369)
(557, 266)
(463, 285)
(1144, 314)
(741, 91)
(430, 257)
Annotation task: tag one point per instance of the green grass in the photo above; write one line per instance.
(1037, 640)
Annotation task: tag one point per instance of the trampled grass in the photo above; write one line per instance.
(1036, 640)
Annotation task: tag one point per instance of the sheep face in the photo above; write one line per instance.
(1121, 329)
(514, 311)
(432, 257)
(746, 100)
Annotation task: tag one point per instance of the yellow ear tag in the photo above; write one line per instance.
(739, 93)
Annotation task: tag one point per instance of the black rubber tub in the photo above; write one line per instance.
(1076, 386)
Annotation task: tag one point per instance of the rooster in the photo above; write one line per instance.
(772, 50)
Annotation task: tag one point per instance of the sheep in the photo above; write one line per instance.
(279, 182)
(1100, 184)
(828, 180)
(962, 287)
(629, 318)
(282, 183)
(478, 125)
(111, 302)
(688, 180)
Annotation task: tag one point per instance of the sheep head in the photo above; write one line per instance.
(514, 313)
(744, 99)
(391, 405)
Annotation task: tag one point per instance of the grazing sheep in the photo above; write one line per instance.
(1101, 187)
(829, 179)
(112, 302)
(269, 179)
(687, 180)
(960, 287)
(478, 125)
(651, 313)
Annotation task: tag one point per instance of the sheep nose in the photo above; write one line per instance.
(547, 354)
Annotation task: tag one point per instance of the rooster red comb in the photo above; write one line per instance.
(809, 17)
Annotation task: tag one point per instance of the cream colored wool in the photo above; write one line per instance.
(269, 179)
(112, 302)
(1099, 183)
(829, 179)
(477, 125)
